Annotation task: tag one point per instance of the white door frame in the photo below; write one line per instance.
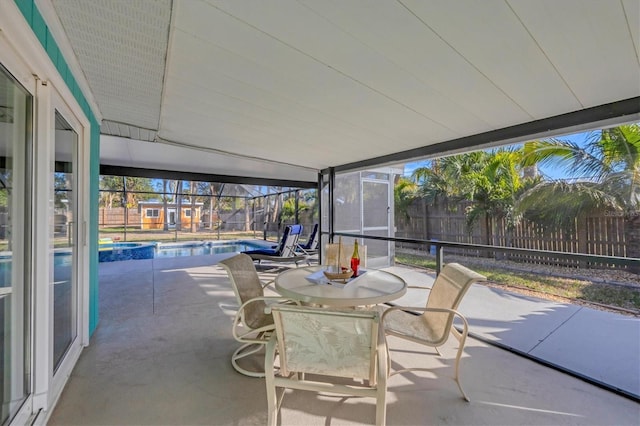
(81, 173)
(24, 56)
(15, 65)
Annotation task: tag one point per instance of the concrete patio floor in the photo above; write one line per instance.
(161, 356)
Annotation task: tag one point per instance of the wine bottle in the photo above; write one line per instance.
(355, 259)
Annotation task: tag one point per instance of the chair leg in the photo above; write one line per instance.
(457, 375)
(272, 400)
(242, 353)
(381, 409)
(462, 337)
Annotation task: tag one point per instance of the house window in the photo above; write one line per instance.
(153, 213)
(187, 213)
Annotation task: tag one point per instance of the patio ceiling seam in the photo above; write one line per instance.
(633, 39)
(551, 63)
(471, 64)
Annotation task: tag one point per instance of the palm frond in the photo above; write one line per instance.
(566, 155)
(558, 203)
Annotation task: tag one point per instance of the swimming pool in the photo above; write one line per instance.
(197, 249)
(112, 252)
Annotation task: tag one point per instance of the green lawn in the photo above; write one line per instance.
(569, 288)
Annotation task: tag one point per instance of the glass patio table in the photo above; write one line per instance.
(369, 288)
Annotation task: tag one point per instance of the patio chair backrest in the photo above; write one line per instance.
(448, 290)
(289, 241)
(314, 239)
(327, 342)
(246, 286)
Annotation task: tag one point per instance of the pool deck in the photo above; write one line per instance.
(160, 355)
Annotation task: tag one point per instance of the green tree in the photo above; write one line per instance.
(110, 190)
(405, 192)
(445, 180)
(113, 188)
(289, 207)
(494, 188)
(138, 189)
(608, 170)
(490, 180)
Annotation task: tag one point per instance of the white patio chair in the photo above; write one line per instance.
(435, 324)
(253, 323)
(327, 344)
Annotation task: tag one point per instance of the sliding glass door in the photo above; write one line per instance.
(15, 231)
(64, 257)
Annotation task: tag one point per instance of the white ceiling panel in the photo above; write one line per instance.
(396, 33)
(268, 63)
(584, 40)
(284, 88)
(494, 40)
(153, 155)
(340, 49)
(632, 14)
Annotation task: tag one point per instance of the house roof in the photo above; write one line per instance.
(283, 89)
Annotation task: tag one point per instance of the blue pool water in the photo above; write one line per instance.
(130, 251)
(200, 249)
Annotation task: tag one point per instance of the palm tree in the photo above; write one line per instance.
(494, 189)
(404, 193)
(447, 178)
(610, 160)
(492, 181)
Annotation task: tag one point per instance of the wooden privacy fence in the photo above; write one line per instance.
(115, 217)
(592, 234)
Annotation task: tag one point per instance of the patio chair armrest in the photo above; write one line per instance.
(413, 309)
(252, 335)
(239, 319)
(420, 309)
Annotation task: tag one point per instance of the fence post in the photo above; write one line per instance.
(582, 224)
(439, 258)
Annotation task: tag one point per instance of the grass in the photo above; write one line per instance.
(567, 288)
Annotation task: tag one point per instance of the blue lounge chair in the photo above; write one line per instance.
(311, 246)
(285, 251)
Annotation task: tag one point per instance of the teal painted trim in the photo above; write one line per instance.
(41, 30)
(26, 7)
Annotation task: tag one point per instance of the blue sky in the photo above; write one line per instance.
(548, 171)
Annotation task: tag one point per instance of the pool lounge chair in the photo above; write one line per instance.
(285, 251)
(311, 246)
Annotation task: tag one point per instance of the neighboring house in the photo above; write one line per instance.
(152, 214)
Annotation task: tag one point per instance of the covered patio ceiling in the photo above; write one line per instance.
(283, 89)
